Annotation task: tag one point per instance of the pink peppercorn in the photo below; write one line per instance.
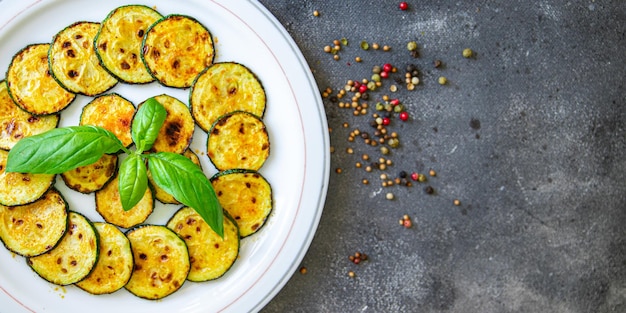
(384, 74)
(394, 102)
(403, 5)
(404, 115)
(362, 88)
(387, 67)
(414, 176)
(386, 121)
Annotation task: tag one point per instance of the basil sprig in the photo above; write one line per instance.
(63, 149)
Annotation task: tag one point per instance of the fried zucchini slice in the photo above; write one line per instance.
(18, 188)
(176, 49)
(73, 258)
(246, 196)
(118, 42)
(177, 130)
(210, 255)
(238, 140)
(73, 60)
(92, 177)
(161, 261)
(32, 229)
(223, 88)
(161, 194)
(109, 205)
(30, 84)
(111, 112)
(115, 262)
(16, 123)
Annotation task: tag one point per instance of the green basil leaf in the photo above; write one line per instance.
(184, 180)
(132, 180)
(147, 123)
(62, 149)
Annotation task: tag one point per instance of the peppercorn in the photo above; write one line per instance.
(316, 13)
(403, 5)
(429, 190)
(389, 196)
(442, 80)
(432, 173)
(402, 174)
(411, 46)
(437, 63)
(467, 53)
(457, 202)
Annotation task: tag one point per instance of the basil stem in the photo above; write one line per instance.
(147, 123)
(132, 180)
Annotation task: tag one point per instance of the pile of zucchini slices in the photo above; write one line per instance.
(134, 44)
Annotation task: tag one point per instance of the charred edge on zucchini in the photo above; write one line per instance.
(112, 112)
(20, 189)
(92, 177)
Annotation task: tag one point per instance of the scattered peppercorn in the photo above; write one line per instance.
(457, 202)
(303, 270)
(467, 53)
(432, 173)
(406, 221)
(404, 5)
(429, 190)
(411, 46)
(442, 80)
(316, 13)
(389, 196)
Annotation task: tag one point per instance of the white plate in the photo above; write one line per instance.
(298, 167)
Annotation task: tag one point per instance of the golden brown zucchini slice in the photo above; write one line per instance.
(111, 112)
(223, 88)
(211, 256)
(30, 84)
(161, 194)
(73, 258)
(32, 229)
(73, 60)
(92, 177)
(246, 196)
(109, 205)
(238, 140)
(115, 262)
(16, 123)
(118, 42)
(176, 49)
(177, 130)
(18, 188)
(161, 261)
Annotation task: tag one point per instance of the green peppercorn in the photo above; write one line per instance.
(364, 45)
(384, 150)
(393, 142)
(467, 53)
(376, 77)
(379, 106)
(411, 46)
(442, 80)
(376, 69)
(398, 108)
(371, 86)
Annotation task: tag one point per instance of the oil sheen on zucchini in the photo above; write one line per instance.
(112, 112)
(210, 255)
(92, 177)
(32, 229)
(177, 130)
(176, 49)
(161, 261)
(16, 123)
(246, 196)
(223, 88)
(30, 84)
(238, 140)
(73, 61)
(109, 205)
(161, 194)
(73, 258)
(115, 262)
(118, 42)
(18, 188)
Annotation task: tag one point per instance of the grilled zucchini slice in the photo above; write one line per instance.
(73, 258)
(111, 112)
(32, 229)
(177, 130)
(73, 61)
(161, 194)
(238, 140)
(30, 84)
(16, 123)
(118, 42)
(92, 177)
(109, 205)
(223, 88)
(115, 262)
(246, 196)
(210, 255)
(176, 49)
(18, 188)
(161, 261)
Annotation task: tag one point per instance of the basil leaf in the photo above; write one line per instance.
(132, 181)
(184, 180)
(147, 123)
(62, 149)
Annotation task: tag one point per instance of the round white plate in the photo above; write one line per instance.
(298, 167)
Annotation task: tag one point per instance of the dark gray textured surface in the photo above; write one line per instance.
(541, 227)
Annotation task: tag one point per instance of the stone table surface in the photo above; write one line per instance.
(528, 134)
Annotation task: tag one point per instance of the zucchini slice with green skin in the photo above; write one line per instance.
(16, 123)
(115, 262)
(161, 194)
(246, 196)
(30, 84)
(176, 49)
(177, 131)
(223, 88)
(109, 205)
(33, 229)
(73, 61)
(161, 261)
(118, 42)
(19, 188)
(238, 140)
(92, 177)
(112, 112)
(210, 255)
(73, 258)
